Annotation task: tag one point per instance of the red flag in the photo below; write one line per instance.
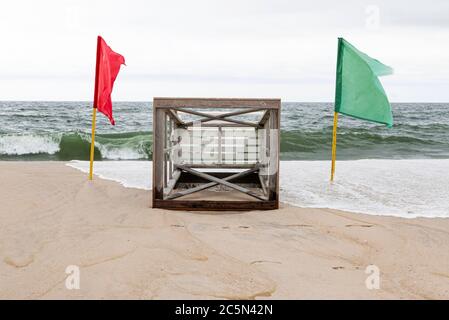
(108, 66)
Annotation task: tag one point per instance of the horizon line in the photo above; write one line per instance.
(282, 101)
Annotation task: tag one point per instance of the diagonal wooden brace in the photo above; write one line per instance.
(224, 115)
(219, 117)
(210, 184)
(221, 181)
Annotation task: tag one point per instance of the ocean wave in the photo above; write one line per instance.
(125, 146)
(42, 130)
(28, 144)
(76, 146)
(360, 143)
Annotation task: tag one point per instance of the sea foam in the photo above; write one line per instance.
(404, 188)
(28, 144)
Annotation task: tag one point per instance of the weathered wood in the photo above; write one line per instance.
(210, 205)
(170, 163)
(267, 151)
(172, 182)
(210, 184)
(222, 165)
(164, 102)
(234, 147)
(172, 148)
(191, 146)
(226, 115)
(221, 181)
(262, 183)
(220, 136)
(273, 184)
(165, 154)
(212, 117)
(267, 181)
(158, 154)
(264, 118)
(176, 118)
(221, 124)
(257, 146)
(278, 124)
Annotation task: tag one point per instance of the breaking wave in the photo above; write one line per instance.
(76, 146)
(357, 143)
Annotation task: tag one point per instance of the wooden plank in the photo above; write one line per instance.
(226, 115)
(212, 117)
(278, 118)
(234, 148)
(273, 179)
(267, 149)
(264, 118)
(158, 154)
(170, 145)
(191, 146)
(172, 114)
(210, 205)
(221, 166)
(221, 181)
(165, 147)
(220, 136)
(257, 146)
(210, 184)
(166, 102)
(262, 183)
(172, 148)
(172, 183)
(223, 125)
(265, 153)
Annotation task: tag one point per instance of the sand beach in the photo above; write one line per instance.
(53, 217)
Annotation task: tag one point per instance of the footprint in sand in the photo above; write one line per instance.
(19, 261)
(360, 225)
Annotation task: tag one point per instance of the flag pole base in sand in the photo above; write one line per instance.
(92, 143)
(334, 145)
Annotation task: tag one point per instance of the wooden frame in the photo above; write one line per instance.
(179, 165)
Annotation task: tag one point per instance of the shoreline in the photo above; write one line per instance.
(374, 187)
(53, 217)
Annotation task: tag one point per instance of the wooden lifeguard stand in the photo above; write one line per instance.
(216, 154)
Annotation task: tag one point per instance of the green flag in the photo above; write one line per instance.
(359, 92)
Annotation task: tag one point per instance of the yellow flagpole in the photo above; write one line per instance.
(92, 143)
(334, 145)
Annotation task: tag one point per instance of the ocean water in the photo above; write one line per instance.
(398, 171)
(61, 131)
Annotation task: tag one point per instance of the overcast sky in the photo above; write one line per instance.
(266, 48)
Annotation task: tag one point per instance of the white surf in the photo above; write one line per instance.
(404, 188)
